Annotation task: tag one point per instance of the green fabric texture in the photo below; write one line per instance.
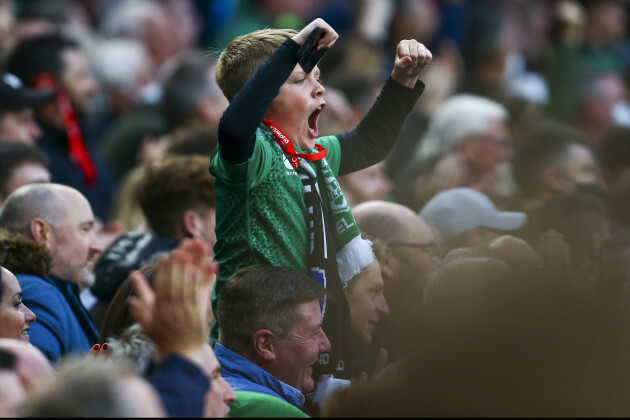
(254, 404)
(261, 216)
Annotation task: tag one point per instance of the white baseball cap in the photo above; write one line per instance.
(457, 210)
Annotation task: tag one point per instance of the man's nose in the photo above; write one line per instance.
(324, 344)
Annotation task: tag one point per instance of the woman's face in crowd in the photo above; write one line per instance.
(14, 315)
(367, 302)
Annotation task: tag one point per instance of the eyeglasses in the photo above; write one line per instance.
(430, 248)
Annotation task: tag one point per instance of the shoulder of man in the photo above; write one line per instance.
(38, 289)
(254, 404)
(45, 300)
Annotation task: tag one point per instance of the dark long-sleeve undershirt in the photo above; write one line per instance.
(364, 146)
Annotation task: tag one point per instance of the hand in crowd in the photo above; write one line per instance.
(381, 362)
(175, 313)
(99, 352)
(411, 59)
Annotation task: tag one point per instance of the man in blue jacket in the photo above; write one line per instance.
(271, 333)
(59, 218)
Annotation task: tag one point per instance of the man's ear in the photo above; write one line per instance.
(264, 345)
(190, 219)
(387, 263)
(42, 233)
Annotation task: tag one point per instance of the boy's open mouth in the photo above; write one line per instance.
(312, 119)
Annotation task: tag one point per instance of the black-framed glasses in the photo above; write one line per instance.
(430, 249)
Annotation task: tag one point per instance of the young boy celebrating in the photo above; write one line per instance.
(278, 202)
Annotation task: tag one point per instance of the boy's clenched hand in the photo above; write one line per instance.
(326, 41)
(411, 59)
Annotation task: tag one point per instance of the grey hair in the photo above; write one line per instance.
(126, 18)
(459, 116)
(133, 347)
(119, 61)
(29, 202)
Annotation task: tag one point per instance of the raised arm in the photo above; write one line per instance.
(175, 317)
(375, 135)
(237, 128)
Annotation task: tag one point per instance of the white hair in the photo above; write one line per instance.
(118, 62)
(127, 18)
(459, 116)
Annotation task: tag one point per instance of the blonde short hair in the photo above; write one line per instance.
(242, 57)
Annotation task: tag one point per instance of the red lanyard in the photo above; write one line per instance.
(289, 149)
(79, 153)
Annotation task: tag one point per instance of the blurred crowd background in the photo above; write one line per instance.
(150, 64)
(523, 128)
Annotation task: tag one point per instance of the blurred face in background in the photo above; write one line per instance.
(78, 80)
(579, 170)
(371, 183)
(486, 151)
(20, 126)
(366, 301)
(27, 173)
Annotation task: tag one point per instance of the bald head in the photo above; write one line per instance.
(514, 251)
(410, 248)
(61, 219)
(390, 222)
(32, 201)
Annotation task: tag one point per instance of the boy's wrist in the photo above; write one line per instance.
(289, 42)
(408, 81)
(416, 85)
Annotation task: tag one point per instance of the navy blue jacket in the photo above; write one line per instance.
(63, 324)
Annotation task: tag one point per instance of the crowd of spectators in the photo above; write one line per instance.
(463, 249)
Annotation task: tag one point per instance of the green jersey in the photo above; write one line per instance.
(261, 215)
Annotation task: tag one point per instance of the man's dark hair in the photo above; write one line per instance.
(262, 297)
(39, 54)
(189, 82)
(171, 186)
(543, 146)
(14, 154)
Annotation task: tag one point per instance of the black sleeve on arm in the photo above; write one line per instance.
(377, 132)
(237, 128)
